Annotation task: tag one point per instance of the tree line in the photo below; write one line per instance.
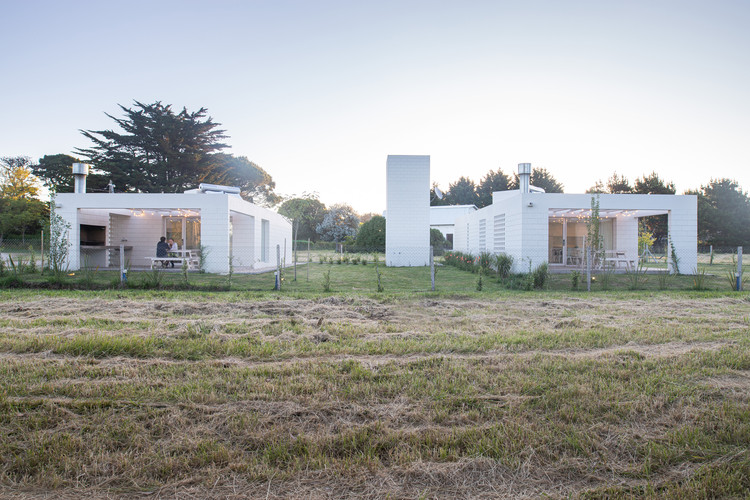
(154, 148)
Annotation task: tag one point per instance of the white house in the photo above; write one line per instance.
(444, 218)
(535, 227)
(213, 220)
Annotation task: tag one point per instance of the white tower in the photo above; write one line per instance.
(407, 223)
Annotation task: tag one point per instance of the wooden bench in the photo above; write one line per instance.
(617, 257)
(192, 262)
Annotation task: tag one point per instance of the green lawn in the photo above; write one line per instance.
(349, 278)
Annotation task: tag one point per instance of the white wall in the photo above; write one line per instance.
(527, 223)
(143, 232)
(407, 226)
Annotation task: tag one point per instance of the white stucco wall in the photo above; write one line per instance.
(143, 231)
(527, 224)
(407, 226)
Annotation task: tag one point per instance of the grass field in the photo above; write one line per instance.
(359, 394)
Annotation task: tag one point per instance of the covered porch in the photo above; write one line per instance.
(568, 233)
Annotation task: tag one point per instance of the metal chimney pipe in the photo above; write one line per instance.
(80, 171)
(524, 176)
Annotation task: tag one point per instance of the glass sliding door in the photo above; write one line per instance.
(556, 242)
(186, 231)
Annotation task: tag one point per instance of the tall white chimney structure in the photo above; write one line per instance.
(80, 171)
(524, 177)
(407, 221)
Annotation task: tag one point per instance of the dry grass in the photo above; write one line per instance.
(353, 397)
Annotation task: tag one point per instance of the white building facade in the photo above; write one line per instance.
(407, 224)
(444, 218)
(227, 230)
(535, 227)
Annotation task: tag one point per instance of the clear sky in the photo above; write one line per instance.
(319, 93)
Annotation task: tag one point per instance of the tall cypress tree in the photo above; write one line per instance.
(158, 150)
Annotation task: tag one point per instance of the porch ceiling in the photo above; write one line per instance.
(140, 212)
(575, 213)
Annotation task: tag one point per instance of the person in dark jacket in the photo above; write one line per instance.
(161, 250)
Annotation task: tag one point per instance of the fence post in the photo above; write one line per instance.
(710, 255)
(41, 269)
(308, 259)
(588, 268)
(739, 269)
(432, 268)
(123, 274)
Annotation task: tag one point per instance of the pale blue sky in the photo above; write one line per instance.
(319, 93)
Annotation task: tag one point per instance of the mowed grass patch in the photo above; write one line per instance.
(600, 397)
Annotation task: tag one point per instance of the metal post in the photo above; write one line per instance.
(710, 255)
(432, 268)
(41, 269)
(588, 269)
(123, 274)
(277, 286)
(739, 269)
(308, 259)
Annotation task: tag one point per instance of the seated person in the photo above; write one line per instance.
(172, 249)
(162, 248)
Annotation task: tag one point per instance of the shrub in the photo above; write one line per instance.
(699, 279)
(637, 277)
(460, 260)
(371, 234)
(503, 265)
(540, 276)
(575, 278)
(485, 262)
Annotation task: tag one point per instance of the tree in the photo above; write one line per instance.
(371, 234)
(339, 222)
(307, 213)
(16, 179)
(657, 225)
(723, 214)
(21, 216)
(616, 184)
(437, 240)
(255, 183)
(653, 184)
(540, 177)
(493, 181)
(462, 192)
(20, 210)
(55, 172)
(159, 150)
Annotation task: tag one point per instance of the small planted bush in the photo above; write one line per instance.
(540, 276)
(575, 279)
(485, 262)
(503, 265)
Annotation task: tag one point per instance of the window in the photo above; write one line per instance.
(265, 238)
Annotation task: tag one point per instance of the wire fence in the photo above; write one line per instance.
(28, 255)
